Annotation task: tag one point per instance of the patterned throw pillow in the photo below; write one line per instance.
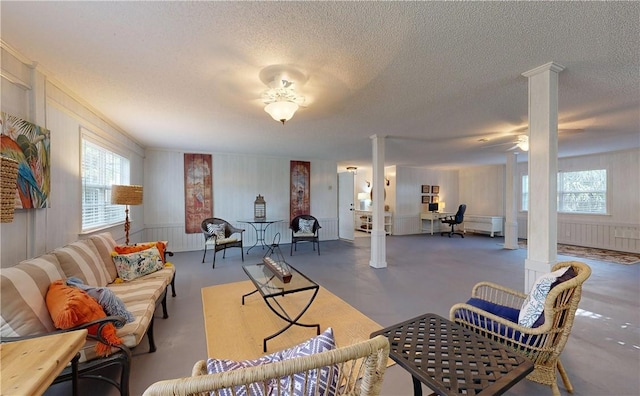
(322, 376)
(134, 265)
(321, 343)
(216, 229)
(305, 226)
(533, 305)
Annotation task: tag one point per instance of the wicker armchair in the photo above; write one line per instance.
(361, 367)
(229, 241)
(300, 235)
(542, 344)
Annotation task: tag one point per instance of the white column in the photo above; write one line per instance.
(511, 215)
(378, 235)
(543, 171)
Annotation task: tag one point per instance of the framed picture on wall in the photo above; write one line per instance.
(435, 189)
(435, 199)
(426, 199)
(426, 189)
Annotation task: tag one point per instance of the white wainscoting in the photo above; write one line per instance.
(613, 236)
(407, 225)
(181, 242)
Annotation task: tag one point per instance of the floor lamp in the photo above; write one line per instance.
(126, 195)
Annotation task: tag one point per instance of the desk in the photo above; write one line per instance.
(451, 360)
(28, 367)
(434, 216)
(260, 226)
(269, 286)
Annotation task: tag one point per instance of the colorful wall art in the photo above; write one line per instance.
(29, 145)
(300, 188)
(198, 194)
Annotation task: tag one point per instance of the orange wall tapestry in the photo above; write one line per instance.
(198, 194)
(300, 188)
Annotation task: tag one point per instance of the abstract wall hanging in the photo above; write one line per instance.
(198, 194)
(300, 189)
(29, 145)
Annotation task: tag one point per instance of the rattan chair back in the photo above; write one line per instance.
(360, 369)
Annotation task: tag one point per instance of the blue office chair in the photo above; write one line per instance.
(454, 220)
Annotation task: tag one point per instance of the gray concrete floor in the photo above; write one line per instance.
(424, 274)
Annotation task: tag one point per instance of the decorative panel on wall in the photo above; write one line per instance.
(300, 188)
(198, 199)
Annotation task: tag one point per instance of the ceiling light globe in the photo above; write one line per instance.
(282, 110)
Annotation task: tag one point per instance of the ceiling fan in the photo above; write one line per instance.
(521, 140)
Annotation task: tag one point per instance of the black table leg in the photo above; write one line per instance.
(417, 387)
(74, 374)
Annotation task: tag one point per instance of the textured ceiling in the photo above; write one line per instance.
(432, 76)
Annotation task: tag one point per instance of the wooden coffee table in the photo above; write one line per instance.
(29, 366)
(451, 360)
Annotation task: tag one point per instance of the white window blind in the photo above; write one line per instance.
(582, 191)
(101, 168)
(578, 192)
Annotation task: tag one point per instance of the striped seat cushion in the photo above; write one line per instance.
(23, 289)
(82, 260)
(105, 244)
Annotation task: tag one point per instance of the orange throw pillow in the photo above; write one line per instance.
(141, 247)
(70, 307)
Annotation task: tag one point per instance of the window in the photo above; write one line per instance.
(101, 168)
(578, 192)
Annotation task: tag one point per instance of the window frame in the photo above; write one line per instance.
(112, 215)
(559, 191)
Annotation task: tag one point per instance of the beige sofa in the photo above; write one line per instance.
(24, 310)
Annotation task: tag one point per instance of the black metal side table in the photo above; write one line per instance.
(260, 227)
(451, 360)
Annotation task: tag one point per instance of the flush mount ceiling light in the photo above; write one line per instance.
(281, 99)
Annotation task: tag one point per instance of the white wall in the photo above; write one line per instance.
(482, 189)
(409, 181)
(47, 103)
(237, 180)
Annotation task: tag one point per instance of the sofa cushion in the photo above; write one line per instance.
(138, 247)
(502, 311)
(110, 303)
(305, 226)
(319, 376)
(70, 307)
(570, 273)
(105, 243)
(140, 296)
(533, 305)
(134, 265)
(321, 343)
(216, 229)
(23, 288)
(82, 260)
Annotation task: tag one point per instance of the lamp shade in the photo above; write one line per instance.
(363, 196)
(126, 195)
(281, 110)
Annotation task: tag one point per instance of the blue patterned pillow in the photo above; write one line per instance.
(327, 377)
(134, 265)
(321, 343)
(533, 305)
(215, 366)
